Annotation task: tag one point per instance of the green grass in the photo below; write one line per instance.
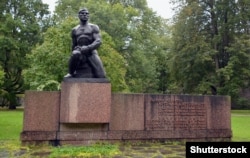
(240, 125)
(96, 150)
(240, 112)
(10, 124)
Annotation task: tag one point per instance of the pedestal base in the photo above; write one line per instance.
(85, 100)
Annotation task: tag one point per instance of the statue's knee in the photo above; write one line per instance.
(76, 54)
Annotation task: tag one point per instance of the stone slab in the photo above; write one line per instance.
(41, 111)
(127, 112)
(187, 112)
(85, 101)
(218, 112)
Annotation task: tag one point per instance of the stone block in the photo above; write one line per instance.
(127, 112)
(41, 111)
(219, 112)
(85, 100)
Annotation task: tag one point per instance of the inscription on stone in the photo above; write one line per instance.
(190, 115)
(160, 115)
(175, 114)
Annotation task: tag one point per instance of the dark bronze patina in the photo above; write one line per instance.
(84, 61)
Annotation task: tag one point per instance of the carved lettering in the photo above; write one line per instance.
(167, 114)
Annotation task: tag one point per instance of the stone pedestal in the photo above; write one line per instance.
(85, 100)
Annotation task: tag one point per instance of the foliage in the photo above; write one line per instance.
(236, 74)
(21, 25)
(1, 76)
(204, 51)
(48, 61)
(210, 48)
(114, 64)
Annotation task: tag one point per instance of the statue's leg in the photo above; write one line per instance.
(74, 62)
(97, 66)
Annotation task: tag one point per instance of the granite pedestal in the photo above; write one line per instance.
(85, 100)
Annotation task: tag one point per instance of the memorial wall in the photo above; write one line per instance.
(127, 117)
(164, 113)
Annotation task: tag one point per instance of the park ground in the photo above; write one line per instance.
(10, 145)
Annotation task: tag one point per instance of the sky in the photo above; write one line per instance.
(161, 7)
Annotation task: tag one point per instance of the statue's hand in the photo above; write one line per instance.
(76, 52)
(84, 49)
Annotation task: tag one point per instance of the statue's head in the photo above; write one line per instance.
(83, 14)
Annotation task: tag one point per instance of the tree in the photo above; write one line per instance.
(1, 77)
(21, 25)
(209, 47)
(146, 53)
(190, 60)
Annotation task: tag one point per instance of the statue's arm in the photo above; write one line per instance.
(97, 38)
(74, 40)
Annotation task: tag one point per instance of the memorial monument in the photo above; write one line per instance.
(84, 61)
(86, 111)
(85, 91)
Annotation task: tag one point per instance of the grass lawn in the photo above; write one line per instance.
(240, 120)
(10, 124)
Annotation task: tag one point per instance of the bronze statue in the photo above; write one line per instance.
(84, 61)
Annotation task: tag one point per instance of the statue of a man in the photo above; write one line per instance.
(84, 61)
